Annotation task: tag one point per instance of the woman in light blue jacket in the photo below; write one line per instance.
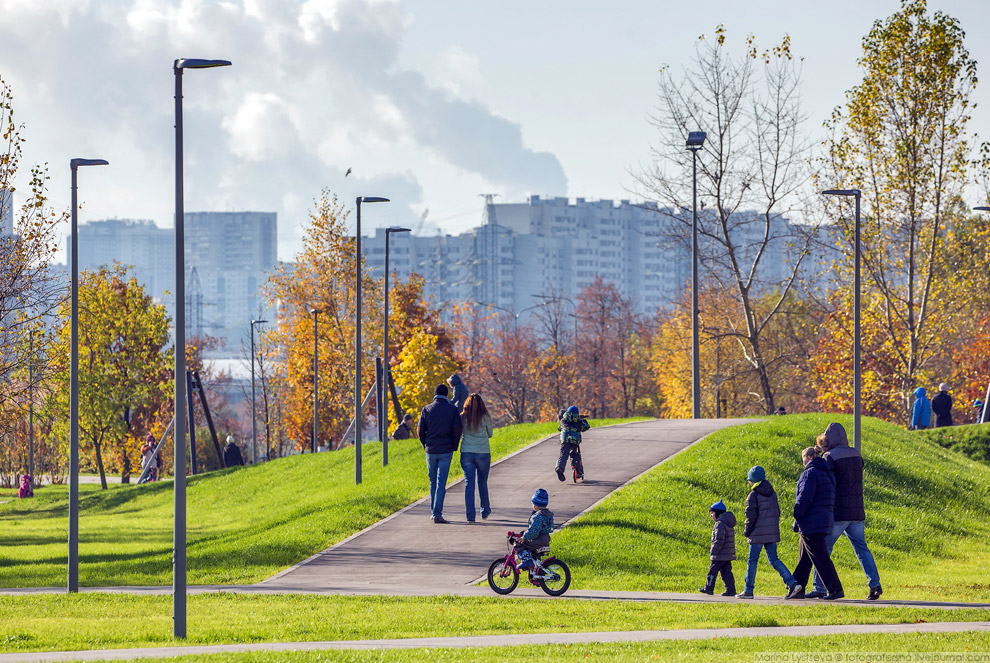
(476, 455)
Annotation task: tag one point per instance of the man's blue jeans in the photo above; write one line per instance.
(476, 465)
(754, 559)
(855, 531)
(438, 465)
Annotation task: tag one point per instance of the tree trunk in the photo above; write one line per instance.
(99, 464)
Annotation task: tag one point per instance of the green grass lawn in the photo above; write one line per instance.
(927, 515)
(244, 525)
(716, 650)
(972, 440)
(106, 621)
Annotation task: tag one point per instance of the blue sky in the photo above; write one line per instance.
(429, 103)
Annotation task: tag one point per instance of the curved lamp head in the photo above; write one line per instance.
(397, 229)
(258, 322)
(841, 192)
(982, 209)
(197, 63)
(75, 163)
(371, 199)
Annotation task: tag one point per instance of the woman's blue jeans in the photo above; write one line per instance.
(754, 559)
(476, 467)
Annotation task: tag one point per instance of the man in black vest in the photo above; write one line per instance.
(849, 513)
(439, 432)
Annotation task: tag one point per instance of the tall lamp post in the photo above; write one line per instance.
(254, 410)
(357, 334)
(857, 380)
(383, 406)
(315, 312)
(73, 580)
(695, 140)
(179, 430)
(984, 416)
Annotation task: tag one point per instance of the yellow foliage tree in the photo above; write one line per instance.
(422, 366)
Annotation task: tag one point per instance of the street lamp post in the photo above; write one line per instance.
(357, 334)
(984, 415)
(383, 390)
(179, 522)
(857, 379)
(73, 581)
(695, 140)
(254, 410)
(315, 312)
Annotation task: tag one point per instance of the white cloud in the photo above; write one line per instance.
(262, 128)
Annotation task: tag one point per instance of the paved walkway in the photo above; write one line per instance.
(497, 640)
(406, 552)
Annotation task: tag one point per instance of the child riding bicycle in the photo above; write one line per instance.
(571, 425)
(537, 535)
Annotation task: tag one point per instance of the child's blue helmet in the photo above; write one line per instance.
(718, 506)
(573, 409)
(540, 497)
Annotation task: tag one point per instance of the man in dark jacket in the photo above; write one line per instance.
(404, 430)
(849, 514)
(762, 530)
(232, 453)
(460, 391)
(942, 406)
(723, 549)
(439, 432)
(813, 503)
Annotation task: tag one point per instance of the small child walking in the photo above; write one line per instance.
(723, 550)
(762, 531)
(537, 534)
(571, 424)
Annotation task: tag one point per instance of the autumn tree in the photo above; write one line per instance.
(423, 364)
(902, 138)
(123, 364)
(752, 173)
(508, 384)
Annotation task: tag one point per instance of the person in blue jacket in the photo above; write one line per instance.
(813, 504)
(921, 417)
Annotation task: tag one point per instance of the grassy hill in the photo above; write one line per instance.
(244, 525)
(927, 514)
(972, 440)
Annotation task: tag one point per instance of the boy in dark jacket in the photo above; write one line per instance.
(571, 424)
(762, 530)
(537, 534)
(723, 550)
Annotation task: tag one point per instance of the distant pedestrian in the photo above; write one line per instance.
(762, 530)
(26, 490)
(921, 414)
(404, 431)
(942, 406)
(476, 454)
(813, 503)
(849, 512)
(232, 453)
(460, 391)
(722, 550)
(439, 432)
(148, 459)
(978, 411)
(781, 411)
(571, 425)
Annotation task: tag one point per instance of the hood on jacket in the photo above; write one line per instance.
(920, 392)
(764, 488)
(820, 463)
(728, 518)
(835, 436)
(570, 417)
(454, 380)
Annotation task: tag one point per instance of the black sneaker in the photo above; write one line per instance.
(706, 591)
(795, 592)
(875, 593)
(815, 594)
(728, 593)
(835, 595)
(560, 475)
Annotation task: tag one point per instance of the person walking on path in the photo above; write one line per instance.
(460, 394)
(813, 504)
(722, 551)
(26, 490)
(439, 432)
(849, 513)
(942, 406)
(571, 425)
(403, 431)
(232, 453)
(921, 415)
(476, 455)
(148, 457)
(762, 530)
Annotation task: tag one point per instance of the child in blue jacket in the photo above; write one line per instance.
(537, 534)
(571, 425)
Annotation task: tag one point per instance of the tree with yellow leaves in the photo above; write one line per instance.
(422, 366)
